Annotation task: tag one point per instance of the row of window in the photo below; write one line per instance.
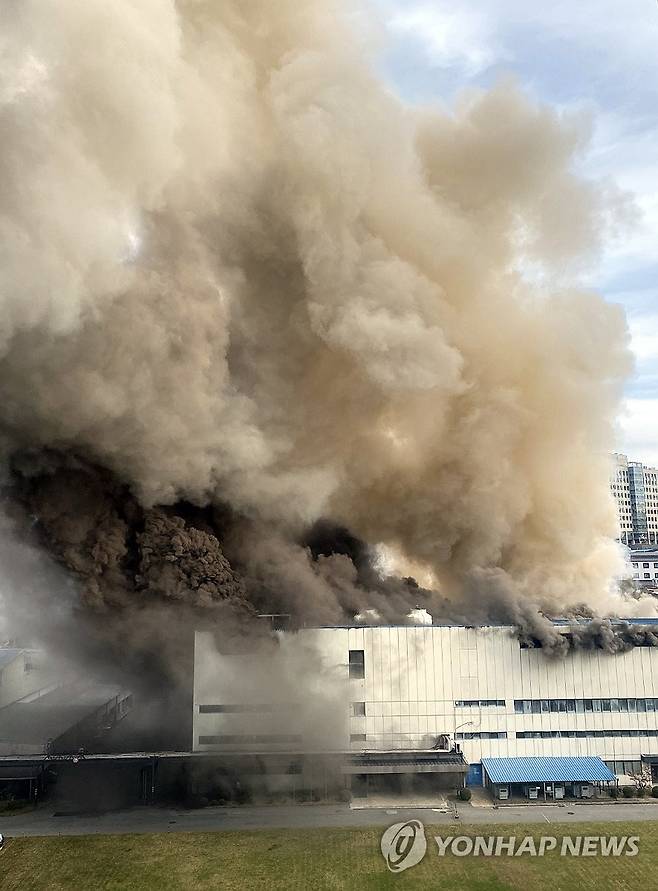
(358, 708)
(241, 738)
(583, 706)
(561, 734)
(482, 734)
(479, 703)
(361, 737)
(521, 706)
(584, 734)
(627, 767)
(239, 709)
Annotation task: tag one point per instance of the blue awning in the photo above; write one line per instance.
(547, 770)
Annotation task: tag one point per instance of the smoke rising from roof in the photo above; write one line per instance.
(236, 270)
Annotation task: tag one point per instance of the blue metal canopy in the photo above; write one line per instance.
(547, 770)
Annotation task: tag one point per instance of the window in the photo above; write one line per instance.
(583, 706)
(481, 735)
(357, 737)
(357, 664)
(241, 738)
(582, 734)
(479, 703)
(645, 566)
(647, 575)
(236, 709)
(358, 709)
(28, 665)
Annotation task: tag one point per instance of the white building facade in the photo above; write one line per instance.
(644, 564)
(412, 688)
(634, 487)
(619, 486)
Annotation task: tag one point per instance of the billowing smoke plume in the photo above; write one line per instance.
(237, 271)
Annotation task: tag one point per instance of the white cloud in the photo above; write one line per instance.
(644, 336)
(450, 35)
(639, 430)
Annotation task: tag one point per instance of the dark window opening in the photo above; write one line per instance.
(242, 738)
(237, 709)
(357, 664)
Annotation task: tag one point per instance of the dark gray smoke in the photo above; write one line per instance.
(126, 558)
(121, 553)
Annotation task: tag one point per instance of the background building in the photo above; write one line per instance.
(21, 673)
(44, 709)
(430, 688)
(635, 489)
(644, 563)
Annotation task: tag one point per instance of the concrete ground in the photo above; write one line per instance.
(379, 800)
(480, 797)
(42, 821)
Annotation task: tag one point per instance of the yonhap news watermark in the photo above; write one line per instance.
(405, 844)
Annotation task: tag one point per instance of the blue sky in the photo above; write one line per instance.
(596, 56)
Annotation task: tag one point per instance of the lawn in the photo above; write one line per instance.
(313, 859)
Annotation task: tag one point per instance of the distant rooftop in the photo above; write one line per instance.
(559, 622)
(33, 721)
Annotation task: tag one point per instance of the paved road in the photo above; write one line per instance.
(218, 819)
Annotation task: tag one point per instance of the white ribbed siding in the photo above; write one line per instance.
(415, 675)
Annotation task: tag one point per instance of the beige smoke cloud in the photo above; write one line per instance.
(235, 266)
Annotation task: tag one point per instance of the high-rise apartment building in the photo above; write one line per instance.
(635, 489)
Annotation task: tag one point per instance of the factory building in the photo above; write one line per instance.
(383, 696)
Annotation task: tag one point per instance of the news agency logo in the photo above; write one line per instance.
(404, 845)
